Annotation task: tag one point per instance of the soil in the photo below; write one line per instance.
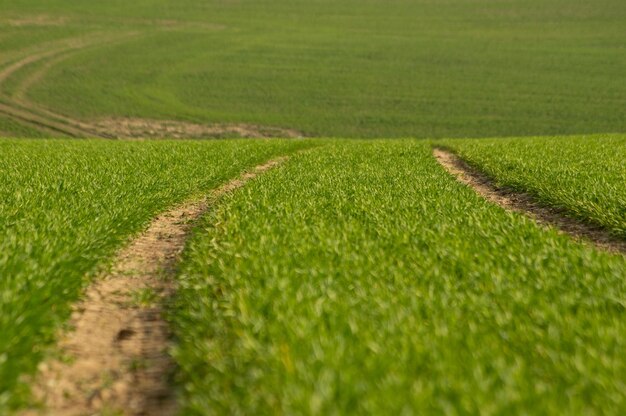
(526, 204)
(116, 357)
(125, 128)
(38, 20)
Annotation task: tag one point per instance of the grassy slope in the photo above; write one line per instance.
(11, 128)
(377, 68)
(65, 206)
(361, 278)
(585, 176)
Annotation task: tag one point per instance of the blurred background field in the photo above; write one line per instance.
(350, 68)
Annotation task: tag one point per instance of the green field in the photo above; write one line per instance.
(349, 68)
(357, 276)
(361, 278)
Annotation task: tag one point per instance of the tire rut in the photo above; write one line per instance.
(19, 108)
(526, 204)
(16, 105)
(40, 123)
(116, 358)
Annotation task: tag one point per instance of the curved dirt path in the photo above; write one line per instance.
(19, 94)
(51, 50)
(526, 204)
(23, 108)
(116, 358)
(16, 105)
(9, 108)
(40, 123)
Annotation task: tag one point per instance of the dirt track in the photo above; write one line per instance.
(16, 105)
(116, 357)
(526, 204)
(19, 108)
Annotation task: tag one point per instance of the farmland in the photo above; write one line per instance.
(359, 275)
(349, 68)
(385, 287)
(319, 255)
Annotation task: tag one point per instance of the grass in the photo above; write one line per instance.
(401, 68)
(358, 277)
(584, 176)
(66, 206)
(361, 278)
(143, 298)
(17, 130)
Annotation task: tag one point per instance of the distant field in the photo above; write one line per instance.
(350, 68)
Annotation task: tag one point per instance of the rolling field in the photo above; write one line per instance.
(349, 68)
(417, 207)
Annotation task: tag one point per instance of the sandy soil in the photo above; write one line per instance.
(36, 21)
(157, 129)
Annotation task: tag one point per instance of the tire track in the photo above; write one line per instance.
(118, 351)
(12, 111)
(40, 123)
(19, 94)
(49, 50)
(62, 124)
(526, 204)
(19, 108)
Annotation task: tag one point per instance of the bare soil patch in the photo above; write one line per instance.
(37, 20)
(173, 24)
(116, 358)
(128, 128)
(526, 204)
